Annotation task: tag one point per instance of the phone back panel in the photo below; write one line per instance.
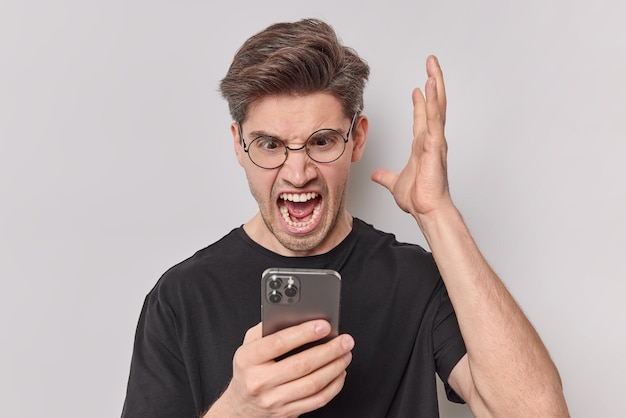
(292, 296)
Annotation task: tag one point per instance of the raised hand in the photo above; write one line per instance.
(422, 186)
(303, 382)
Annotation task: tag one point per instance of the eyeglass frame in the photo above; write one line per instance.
(287, 148)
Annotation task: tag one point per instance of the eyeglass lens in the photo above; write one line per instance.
(323, 146)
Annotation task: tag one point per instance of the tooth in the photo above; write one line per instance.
(295, 197)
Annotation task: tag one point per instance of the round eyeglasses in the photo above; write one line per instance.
(323, 146)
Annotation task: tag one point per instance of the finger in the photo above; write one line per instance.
(302, 374)
(316, 390)
(385, 178)
(420, 123)
(253, 334)
(433, 69)
(275, 345)
(315, 358)
(433, 114)
(308, 372)
(321, 398)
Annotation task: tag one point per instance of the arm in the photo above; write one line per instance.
(303, 382)
(158, 384)
(507, 370)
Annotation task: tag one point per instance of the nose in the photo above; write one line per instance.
(298, 169)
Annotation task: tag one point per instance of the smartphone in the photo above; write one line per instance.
(292, 296)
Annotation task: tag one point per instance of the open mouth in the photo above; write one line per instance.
(300, 210)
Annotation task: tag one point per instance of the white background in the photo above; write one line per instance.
(116, 162)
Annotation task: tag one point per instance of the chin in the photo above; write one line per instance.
(306, 243)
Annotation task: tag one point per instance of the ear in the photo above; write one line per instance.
(234, 130)
(359, 137)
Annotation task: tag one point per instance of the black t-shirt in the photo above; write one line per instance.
(393, 303)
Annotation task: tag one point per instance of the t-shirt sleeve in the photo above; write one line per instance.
(448, 343)
(158, 384)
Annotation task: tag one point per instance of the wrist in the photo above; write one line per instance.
(434, 222)
(220, 408)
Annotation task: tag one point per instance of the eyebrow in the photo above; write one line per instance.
(256, 134)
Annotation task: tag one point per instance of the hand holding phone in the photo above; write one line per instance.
(261, 384)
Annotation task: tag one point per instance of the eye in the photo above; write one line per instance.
(324, 139)
(267, 144)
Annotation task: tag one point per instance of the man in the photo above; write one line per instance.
(398, 325)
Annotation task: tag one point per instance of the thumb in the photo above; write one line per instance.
(385, 178)
(253, 334)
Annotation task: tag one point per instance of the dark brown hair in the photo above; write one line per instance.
(294, 59)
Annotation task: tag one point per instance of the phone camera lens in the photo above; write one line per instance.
(275, 297)
(275, 283)
(291, 291)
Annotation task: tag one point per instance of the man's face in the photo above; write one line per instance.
(301, 203)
